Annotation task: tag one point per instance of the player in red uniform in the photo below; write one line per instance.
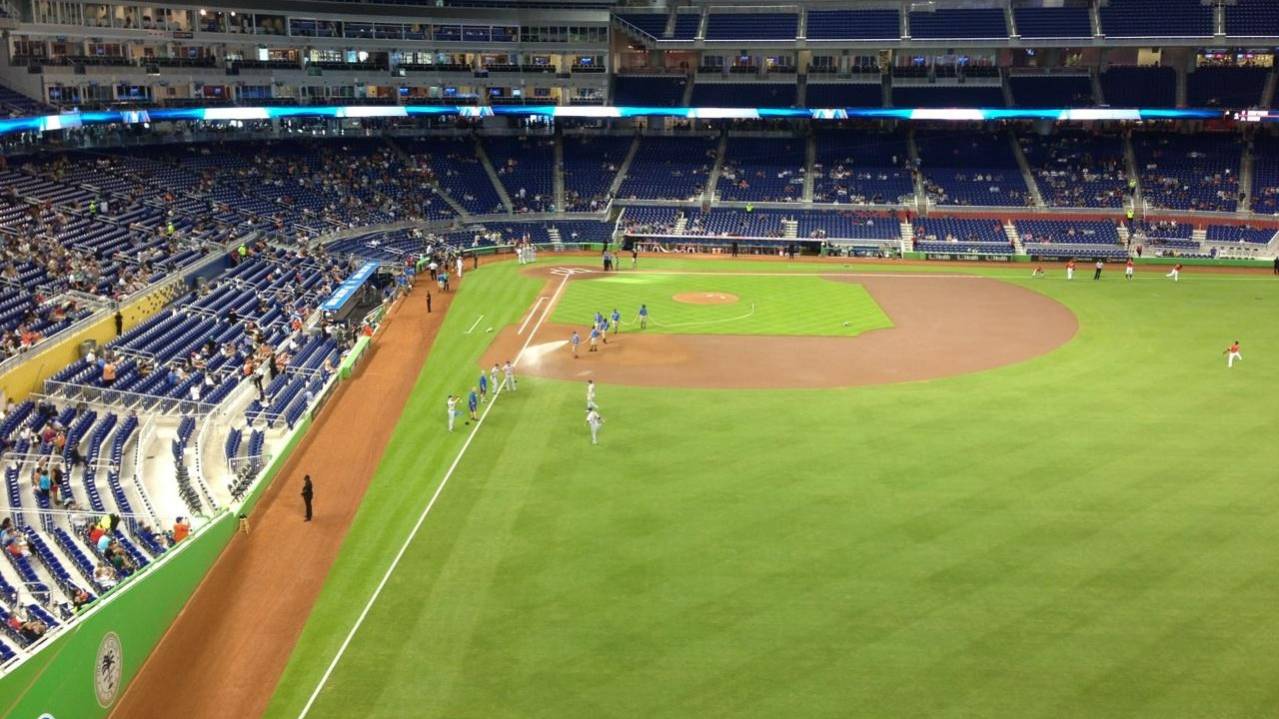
(1176, 272)
(1232, 354)
(1070, 270)
(1128, 269)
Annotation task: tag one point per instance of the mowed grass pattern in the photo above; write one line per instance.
(1088, 534)
(789, 305)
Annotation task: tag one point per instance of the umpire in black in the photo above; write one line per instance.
(307, 493)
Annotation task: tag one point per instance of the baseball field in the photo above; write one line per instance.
(820, 490)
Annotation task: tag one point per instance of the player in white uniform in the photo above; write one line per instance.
(590, 395)
(594, 421)
(508, 376)
(452, 405)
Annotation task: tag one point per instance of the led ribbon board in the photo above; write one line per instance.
(63, 121)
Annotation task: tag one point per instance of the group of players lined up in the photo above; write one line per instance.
(479, 394)
(498, 378)
(1129, 270)
(601, 327)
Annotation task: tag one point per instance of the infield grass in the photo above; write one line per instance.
(798, 305)
(1088, 534)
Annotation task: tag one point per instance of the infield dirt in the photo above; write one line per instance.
(943, 325)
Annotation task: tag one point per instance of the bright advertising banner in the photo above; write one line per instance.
(62, 121)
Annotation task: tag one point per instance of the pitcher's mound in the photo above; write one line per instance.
(706, 298)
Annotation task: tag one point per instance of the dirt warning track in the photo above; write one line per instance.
(943, 325)
(227, 649)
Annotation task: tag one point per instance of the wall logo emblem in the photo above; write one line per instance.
(108, 670)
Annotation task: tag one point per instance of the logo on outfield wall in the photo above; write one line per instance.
(108, 670)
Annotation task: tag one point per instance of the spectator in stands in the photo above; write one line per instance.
(108, 374)
(181, 530)
(104, 576)
(19, 547)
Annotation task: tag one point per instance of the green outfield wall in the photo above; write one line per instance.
(82, 672)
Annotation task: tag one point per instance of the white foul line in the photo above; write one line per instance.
(477, 322)
(422, 518)
(531, 312)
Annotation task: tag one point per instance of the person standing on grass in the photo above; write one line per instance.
(590, 395)
(635, 259)
(473, 403)
(643, 315)
(594, 421)
(1096, 273)
(493, 379)
(573, 342)
(1128, 269)
(1232, 354)
(308, 492)
(452, 406)
(1070, 270)
(484, 386)
(458, 264)
(508, 376)
(1175, 274)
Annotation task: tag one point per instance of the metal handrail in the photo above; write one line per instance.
(114, 400)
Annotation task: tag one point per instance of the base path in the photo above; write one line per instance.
(943, 325)
(227, 649)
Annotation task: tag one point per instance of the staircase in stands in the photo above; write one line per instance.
(908, 236)
(557, 176)
(712, 181)
(1200, 235)
(624, 168)
(1010, 231)
(1026, 174)
(810, 160)
(492, 173)
(1245, 177)
(440, 192)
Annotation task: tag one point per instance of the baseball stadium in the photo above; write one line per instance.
(638, 358)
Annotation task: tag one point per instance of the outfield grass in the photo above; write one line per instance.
(797, 305)
(1087, 534)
